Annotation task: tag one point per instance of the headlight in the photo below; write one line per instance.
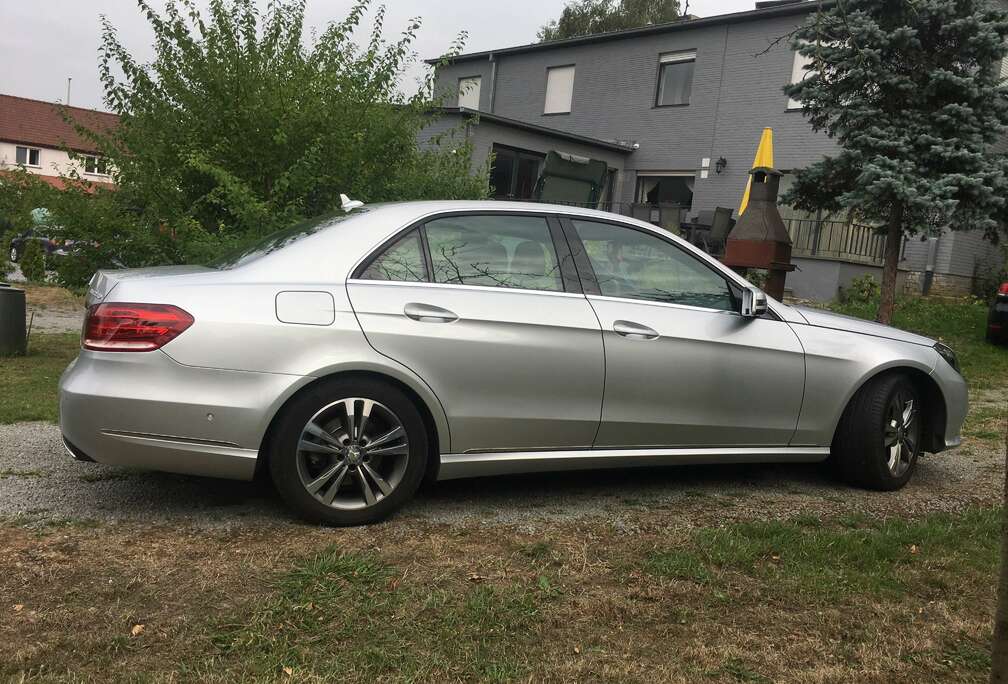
(946, 353)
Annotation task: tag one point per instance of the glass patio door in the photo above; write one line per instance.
(514, 173)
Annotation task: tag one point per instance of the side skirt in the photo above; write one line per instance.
(454, 466)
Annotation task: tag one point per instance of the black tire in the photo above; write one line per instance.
(288, 463)
(860, 452)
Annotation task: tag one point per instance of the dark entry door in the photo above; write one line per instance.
(514, 172)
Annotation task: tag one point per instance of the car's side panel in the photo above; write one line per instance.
(710, 378)
(837, 364)
(236, 328)
(517, 369)
(145, 409)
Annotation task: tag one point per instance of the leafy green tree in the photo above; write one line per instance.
(585, 17)
(910, 90)
(242, 124)
(33, 262)
(20, 193)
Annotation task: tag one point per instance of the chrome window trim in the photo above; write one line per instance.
(689, 307)
(453, 286)
(570, 213)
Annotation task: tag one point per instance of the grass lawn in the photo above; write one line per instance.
(28, 383)
(851, 599)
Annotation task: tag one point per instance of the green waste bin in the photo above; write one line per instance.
(12, 320)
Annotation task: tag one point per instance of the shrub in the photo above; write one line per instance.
(988, 277)
(6, 267)
(862, 290)
(33, 262)
(758, 277)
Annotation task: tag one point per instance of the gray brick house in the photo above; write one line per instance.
(662, 105)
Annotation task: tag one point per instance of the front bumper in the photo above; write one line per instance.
(146, 410)
(954, 390)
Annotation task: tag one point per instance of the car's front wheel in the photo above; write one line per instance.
(878, 441)
(348, 452)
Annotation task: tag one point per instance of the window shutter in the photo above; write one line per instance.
(559, 89)
(671, 57)
(798, 74)
(469, 92)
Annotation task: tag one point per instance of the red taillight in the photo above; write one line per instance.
(133, 327)
(1003, 289)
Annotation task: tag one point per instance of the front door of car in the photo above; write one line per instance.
(683, 368)
(487, 310)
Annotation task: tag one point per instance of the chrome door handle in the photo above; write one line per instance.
(428, 313)
(635, 331)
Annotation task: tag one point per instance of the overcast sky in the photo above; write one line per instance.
(43, 42)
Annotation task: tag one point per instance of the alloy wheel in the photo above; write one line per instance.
(902, 433)
(352, 453)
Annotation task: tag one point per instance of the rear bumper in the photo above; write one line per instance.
(146, 410)
(997, 321)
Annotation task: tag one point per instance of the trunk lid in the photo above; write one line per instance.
(104, 281)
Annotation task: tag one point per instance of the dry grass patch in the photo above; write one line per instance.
(405, 601)
(49, 296)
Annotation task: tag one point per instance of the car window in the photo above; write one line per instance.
(403, 261)
(268, 244)
(634, 264)
(495, 251)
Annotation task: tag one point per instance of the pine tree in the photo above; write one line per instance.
(911, 92)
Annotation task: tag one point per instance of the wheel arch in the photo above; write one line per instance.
(934, 415)
(436, 430)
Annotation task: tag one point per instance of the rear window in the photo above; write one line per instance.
(278, 240)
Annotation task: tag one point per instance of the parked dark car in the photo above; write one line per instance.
(51, 247)
(997, 321)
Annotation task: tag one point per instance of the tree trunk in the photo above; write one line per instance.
(894, 231)
(999, 650)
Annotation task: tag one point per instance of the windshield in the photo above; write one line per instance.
(278, 240)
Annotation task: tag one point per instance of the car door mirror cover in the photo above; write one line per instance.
(754, 303)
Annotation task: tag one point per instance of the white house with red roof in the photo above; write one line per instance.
(35, 136)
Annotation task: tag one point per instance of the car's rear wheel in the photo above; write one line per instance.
(878, 441)
(348, 452)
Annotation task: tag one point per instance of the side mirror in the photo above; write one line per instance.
(754, 303)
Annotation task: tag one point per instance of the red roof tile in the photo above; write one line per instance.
(61, 183)
(35, 122)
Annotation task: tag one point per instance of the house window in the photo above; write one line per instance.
(675, 78)
(514, 172)
(674, 188)
(95, 165)
(559, 89)
(469, 92)
(28, 156)
(798, 74)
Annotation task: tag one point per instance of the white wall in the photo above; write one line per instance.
(51, 162)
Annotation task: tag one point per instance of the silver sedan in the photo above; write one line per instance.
(354, 357)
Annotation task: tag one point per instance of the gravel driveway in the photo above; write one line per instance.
(39, 482)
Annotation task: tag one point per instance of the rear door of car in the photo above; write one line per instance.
(487, 309)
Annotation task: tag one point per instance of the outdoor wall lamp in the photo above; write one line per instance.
(720, 165)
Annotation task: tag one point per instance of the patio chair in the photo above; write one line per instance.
(721, 225)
